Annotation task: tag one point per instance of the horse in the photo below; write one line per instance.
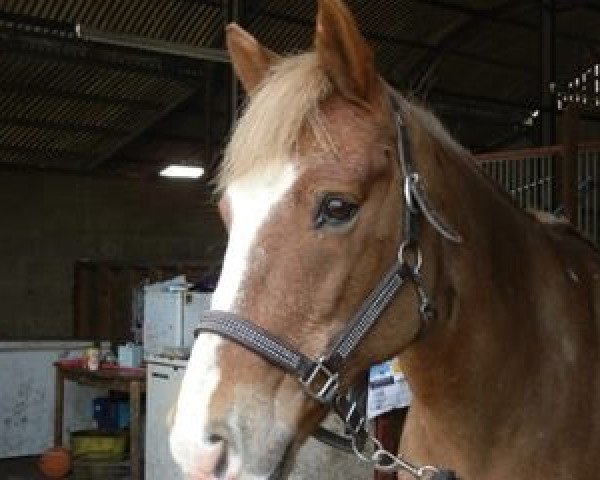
(336, 192)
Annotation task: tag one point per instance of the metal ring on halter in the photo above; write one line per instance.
(416, 268)
(385, 461)
(428, 472)
(361, 456)
(409, 182)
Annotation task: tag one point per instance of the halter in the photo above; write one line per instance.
(320, 378)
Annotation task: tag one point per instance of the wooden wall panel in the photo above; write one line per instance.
(103, 295)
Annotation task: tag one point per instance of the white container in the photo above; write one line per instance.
(129, 355)
(170, 317)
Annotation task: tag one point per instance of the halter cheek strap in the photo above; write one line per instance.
(415, 197)
(320, 378)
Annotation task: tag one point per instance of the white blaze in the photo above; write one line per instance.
(201, 378)
(251, 199)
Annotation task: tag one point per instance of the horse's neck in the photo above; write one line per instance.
(486, 328)
(512, 357)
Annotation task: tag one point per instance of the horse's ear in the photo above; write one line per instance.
(250, 60)
(344, 53)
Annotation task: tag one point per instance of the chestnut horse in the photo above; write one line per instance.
(504, 372)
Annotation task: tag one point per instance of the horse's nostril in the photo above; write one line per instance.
(214, 438)
(220, 468)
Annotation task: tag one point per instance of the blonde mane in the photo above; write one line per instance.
(426, 119)
(287, 101)
(268, 129)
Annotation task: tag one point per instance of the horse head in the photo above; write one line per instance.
(312, 197)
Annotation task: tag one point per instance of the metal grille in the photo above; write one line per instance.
(530, 177)
(588, 210)
(529, 180)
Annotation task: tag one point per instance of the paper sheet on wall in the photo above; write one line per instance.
(388, 388)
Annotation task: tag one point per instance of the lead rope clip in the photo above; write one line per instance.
(385, 461)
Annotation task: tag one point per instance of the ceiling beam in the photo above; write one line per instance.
(443, 94)
(29, 40)
(145, 123)
(546, 134)
(457, 113)
(129, 171)
(405, 42)
(565, 5)
(62, 126)
(423, 72)
(69, 156)
(491, 17)
(148, 44)
(168, 136)
(29, 90)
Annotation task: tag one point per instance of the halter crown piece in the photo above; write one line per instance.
(320, 378)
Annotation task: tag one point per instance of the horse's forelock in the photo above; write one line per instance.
(268, 131)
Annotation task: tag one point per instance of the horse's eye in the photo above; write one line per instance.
(335, 210)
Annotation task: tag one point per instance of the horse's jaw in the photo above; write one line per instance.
(281, 471)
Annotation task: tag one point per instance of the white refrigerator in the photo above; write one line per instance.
(164, 379)
(171, 315)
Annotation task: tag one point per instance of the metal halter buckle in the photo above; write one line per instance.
(327, 383)
(354, 423)
(415, 263)
(409, 184)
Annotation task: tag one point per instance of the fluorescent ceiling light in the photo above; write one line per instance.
(182, 171)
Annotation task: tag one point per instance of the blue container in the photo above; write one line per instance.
(123, 417)
(111, 413)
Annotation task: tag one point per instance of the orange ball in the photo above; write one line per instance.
(55, 462)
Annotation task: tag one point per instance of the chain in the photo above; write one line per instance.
(385, 461)
(426, 306)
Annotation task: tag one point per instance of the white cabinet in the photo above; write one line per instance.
(164, 380)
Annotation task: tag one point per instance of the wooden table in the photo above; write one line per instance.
(132, 381)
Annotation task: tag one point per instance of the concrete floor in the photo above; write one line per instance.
(25, 468)
(22, 468)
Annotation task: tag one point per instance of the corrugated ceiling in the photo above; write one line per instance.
(71, 104)
(185, 21)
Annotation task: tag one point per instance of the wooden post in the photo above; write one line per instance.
(568, 164)
(59, 401)
(134, 429)
(547, 120)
